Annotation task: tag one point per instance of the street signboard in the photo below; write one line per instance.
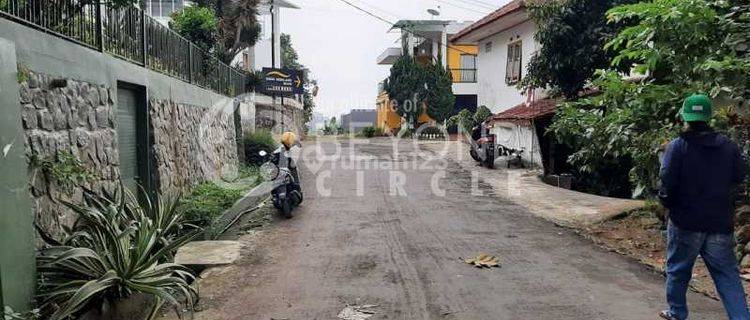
(282, 81)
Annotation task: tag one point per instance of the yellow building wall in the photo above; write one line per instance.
(454, 57)
(424, 118)
(387, 119)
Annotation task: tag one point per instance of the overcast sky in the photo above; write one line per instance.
(340, 44)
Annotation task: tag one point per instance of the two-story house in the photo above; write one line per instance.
(506, 43)
(427, 41)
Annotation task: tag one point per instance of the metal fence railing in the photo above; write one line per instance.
(123, 33)
(464, 75)
(130, 34)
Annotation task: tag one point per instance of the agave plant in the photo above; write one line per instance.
(118, 247)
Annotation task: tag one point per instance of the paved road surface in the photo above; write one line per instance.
(402, 254)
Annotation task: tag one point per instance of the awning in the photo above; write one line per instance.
(525, 113)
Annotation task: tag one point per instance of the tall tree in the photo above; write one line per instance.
(289, 56)
(238, 26)
(438, 92)
(572, 35)
(290, 59)
(684, 47)
(404, 87)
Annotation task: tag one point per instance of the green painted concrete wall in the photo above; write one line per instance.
(16, 219)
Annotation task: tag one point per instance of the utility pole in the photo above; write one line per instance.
(273, 38)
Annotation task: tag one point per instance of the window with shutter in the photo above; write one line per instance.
(514, 63)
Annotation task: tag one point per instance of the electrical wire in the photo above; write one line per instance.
(389, 13)
(489, 6)
(349, 3)
(464, 8)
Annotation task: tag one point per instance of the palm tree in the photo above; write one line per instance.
(238, 27)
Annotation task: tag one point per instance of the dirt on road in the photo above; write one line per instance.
(358, 240)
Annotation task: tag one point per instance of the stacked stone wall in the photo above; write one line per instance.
(70, 117)
(190, 144)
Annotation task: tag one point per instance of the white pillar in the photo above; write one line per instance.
(444, 48)
(277, 35)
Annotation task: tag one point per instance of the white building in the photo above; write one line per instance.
(428, 41)
(162, 10)
(260, 55)
(269, 18)
(506, 44)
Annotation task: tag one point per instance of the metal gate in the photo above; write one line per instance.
(132, 137)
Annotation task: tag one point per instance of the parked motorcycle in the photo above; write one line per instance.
(514, 156)
(281, 171)
(483, 147)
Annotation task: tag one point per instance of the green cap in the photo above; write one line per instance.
(697, 108)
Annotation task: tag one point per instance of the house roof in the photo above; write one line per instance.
(505, 10)
(525, 113)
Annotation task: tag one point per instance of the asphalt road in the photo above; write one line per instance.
(402, 253)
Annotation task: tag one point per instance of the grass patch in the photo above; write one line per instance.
(207, 202)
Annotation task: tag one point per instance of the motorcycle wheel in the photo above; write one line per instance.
(490, 162)
(474, 155)
(298, 197)
(286, 209)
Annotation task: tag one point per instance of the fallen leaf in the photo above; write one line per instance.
(483, 260)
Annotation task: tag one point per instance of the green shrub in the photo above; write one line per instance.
(197, 24)
(369, 132)
(64, 168)
(207, 202)
(118, 247)
(255, 142)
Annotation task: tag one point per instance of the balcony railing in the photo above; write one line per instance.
(130, 34)
(464, 75)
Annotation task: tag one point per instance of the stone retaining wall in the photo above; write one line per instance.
(190, 144)
(77, 118)
(278, 118)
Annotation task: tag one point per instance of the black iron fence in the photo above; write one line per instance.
(130, 34)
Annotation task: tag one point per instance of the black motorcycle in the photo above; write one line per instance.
(483, 147)
(514, 156)
(281, 171)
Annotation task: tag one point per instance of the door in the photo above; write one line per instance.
(132, 138)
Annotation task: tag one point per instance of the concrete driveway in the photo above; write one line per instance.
(358, 240)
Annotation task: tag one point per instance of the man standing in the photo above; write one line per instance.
(699, 171)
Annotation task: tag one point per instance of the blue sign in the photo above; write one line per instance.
(282, 81)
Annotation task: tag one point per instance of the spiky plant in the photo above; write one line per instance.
(117, 247)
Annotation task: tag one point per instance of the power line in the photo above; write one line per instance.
(491, 6)
(461, 7)
(404, 28)
(381, 10)
(476, 4)
(366, 12)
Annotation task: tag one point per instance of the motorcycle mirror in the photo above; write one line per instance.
(262, 153)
